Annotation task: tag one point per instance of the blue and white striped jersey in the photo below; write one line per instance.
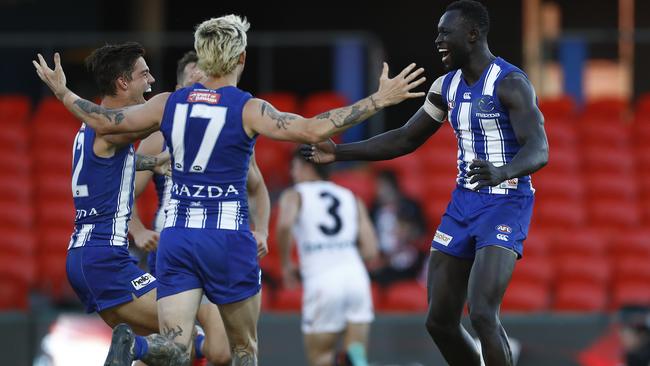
(482, 125)
(102, 189)
(210, 154)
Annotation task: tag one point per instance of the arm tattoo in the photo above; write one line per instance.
(162, 351)
(114, 116)
(243, 355)
(282, 120)
(145, 162)
(374, 103)
(348, 115)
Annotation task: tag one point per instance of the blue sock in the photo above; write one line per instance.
(141, 347)
(198, 343)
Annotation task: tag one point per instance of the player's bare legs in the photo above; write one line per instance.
(141, 314)
(447, 290)
(240, 319)
(490, 276)
(176, 314)
(216, 347)
(321, 348)
(356, 335)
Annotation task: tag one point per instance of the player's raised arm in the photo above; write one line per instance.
(261, 117)
(518, 96)
(388, 145)
(103, 120)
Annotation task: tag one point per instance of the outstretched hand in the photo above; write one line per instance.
(485, 174)
(395, 90)
(55, 79)
(320, 153)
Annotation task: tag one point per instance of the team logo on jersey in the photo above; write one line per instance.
(503, 237)
(486, 103)
(467, 95)
(203, 97)
(142, 281)
(504, 229)
(442, 238)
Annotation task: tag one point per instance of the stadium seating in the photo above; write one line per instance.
(322, 102)
(405, 296)
(580, 297)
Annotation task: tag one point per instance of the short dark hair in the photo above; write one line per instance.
(111, 61)
(474, 12)
(188, 58)
(322, 170)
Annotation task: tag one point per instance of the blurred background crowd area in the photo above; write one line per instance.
(588, 251)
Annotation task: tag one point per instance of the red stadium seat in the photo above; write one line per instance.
(14, 138)
(16, 164)
(632, 268)
(536, 244)
(561, 132)
(56, 212)
(607, 108)
(406, 296)
(322, 102)
(614, 213)
(50, 108)
(434, 208)
(20, 242)
(578, 242)
(56, 161)
(595, 134)
(17, 189)
(16, 216)
(53, 186)
(19, 268)
(274, 158)
(437, 157)
(584, 269)
(558, 107)
(14, 109)
(550, 184)
(13, 295)
(563, 160)
(630, 243)
(525, 297)
(559, 213)
(534, 270)
(287, 299)
(580, 297)
(608, 159)
(53, 279)
(282, 101)
(631, 293)
(605, 186)
(55, 239)
(360, 181)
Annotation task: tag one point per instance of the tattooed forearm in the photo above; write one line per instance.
(162, 351)
(349, 115)
(243, 355)
(282, 120)
(115, 116)
(145, 162)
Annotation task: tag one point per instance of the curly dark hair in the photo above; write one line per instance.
(108, 63)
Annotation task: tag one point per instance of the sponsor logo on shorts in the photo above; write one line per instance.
(143, 281)
(509, 184)
(203, 97)
(503, 237)
(504, 229)
(442, 238)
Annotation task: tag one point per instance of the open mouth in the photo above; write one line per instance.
(444, 53)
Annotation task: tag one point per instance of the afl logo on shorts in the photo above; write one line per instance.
(504, 229)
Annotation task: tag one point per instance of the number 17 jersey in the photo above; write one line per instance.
(210, 151)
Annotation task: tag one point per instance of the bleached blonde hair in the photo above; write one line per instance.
(219, 42)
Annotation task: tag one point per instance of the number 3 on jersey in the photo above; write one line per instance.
(79, 190)
(217, 117)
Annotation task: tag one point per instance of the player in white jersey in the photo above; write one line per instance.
(492, 107)
(221, 46)
(217, 352)
(334, 236)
